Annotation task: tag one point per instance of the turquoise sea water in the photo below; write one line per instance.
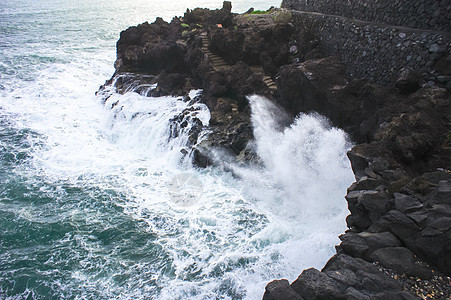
(90, 198)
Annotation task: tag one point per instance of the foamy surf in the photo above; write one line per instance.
(93, 196)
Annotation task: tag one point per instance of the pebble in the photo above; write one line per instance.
(439, 287)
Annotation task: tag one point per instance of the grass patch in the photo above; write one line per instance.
(260, 12)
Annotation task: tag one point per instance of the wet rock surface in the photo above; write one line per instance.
(398, 245)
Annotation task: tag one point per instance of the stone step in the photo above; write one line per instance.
(220, 67)
(217, 60)
(270, 83)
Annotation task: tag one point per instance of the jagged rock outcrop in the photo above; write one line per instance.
(399, 237)
(320, 85)
(229, 56)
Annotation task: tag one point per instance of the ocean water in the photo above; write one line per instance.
(99, 203)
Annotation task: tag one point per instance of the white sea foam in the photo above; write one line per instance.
(104, 171)
(307, 159)
(272, 222)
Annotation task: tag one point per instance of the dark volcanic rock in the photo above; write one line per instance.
(402, 261)
(151, 48)
(260, 43)
(206, 16)
(345, 277)
(320, 85)
(363, 244)
(396, 222)
(408, 81)
(407, 203)
(313, 284)
(280, 290)
(363, 280)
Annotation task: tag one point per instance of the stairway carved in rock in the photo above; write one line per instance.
(219, 63)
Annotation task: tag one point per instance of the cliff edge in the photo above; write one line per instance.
(398, 245)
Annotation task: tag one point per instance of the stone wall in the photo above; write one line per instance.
(422, 14)
(378, 52)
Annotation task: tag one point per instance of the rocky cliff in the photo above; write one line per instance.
(398, 245)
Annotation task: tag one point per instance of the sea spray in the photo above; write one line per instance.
(163, 127)
(306, 159)
(298, 189)
(271, 221)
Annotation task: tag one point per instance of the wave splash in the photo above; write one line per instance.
(130, 232)
(270, 221)
(306, 159)
(164, 127)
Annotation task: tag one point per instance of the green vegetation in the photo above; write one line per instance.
(184, 25)
(260, 12)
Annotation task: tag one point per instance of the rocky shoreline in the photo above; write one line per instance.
(398, 245)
